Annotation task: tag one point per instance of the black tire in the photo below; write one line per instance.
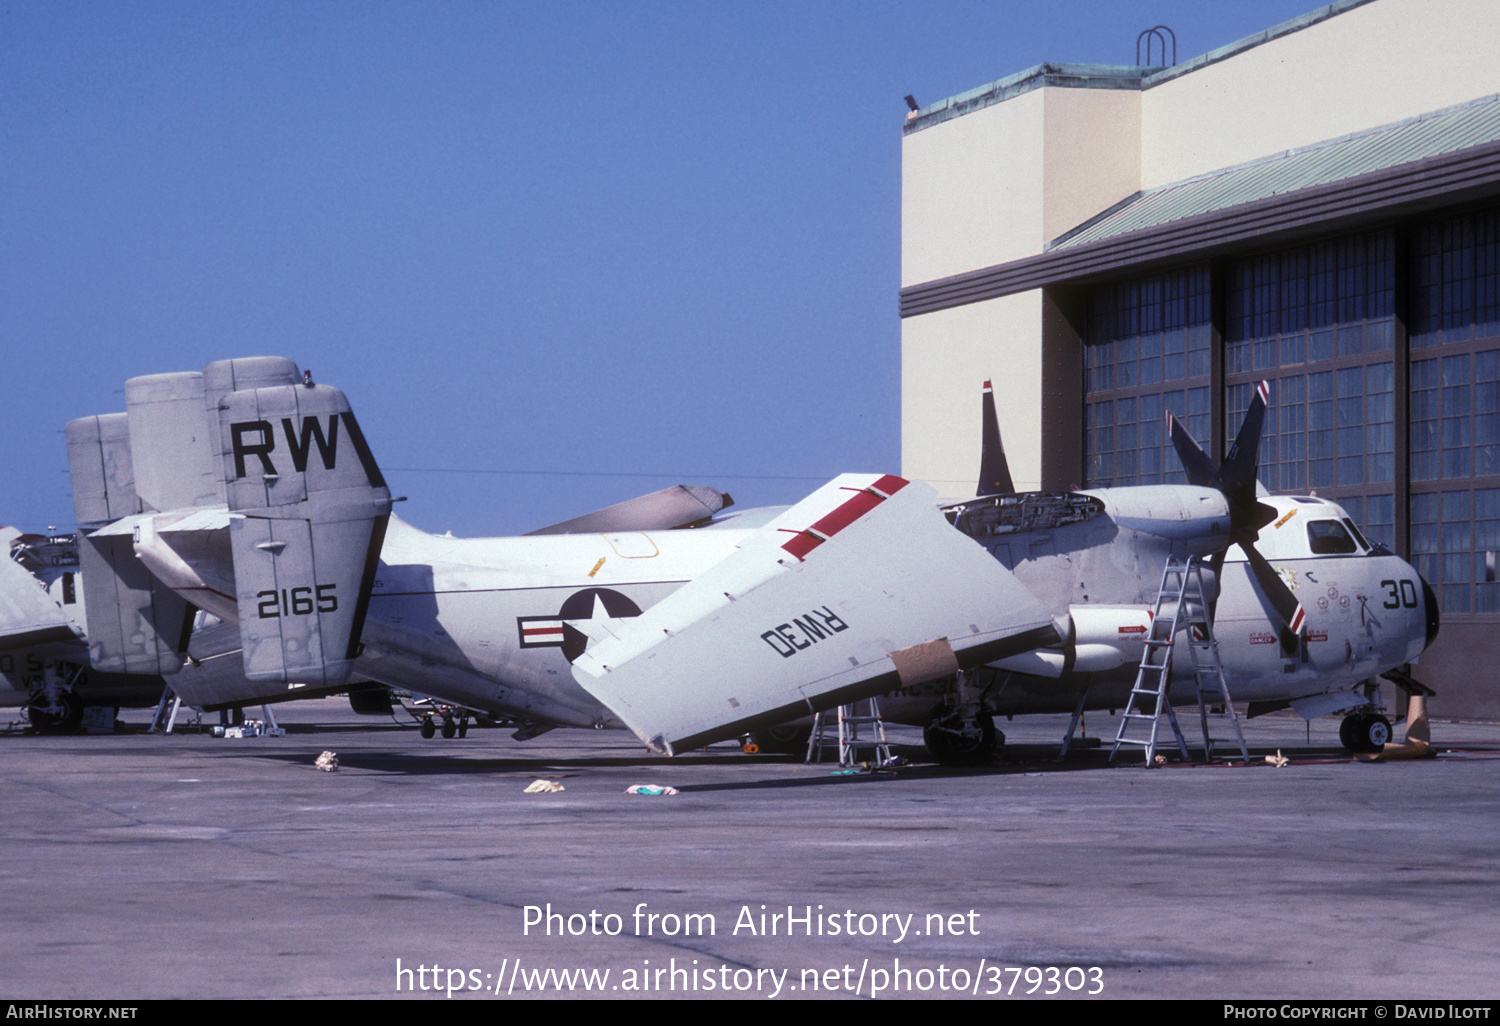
(953, 743)
(1347, 733)
(429, 729)
(64, 717)
(1365, 732)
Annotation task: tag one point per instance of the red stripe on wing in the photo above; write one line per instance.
(856, 506)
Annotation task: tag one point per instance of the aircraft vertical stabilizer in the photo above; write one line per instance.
(135, 623)
(308, 512)
(101, 468)
(170, 444)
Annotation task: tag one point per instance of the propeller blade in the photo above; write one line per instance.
(1285, 603)
(1236, 478)
(994, 470)
(1200, 467)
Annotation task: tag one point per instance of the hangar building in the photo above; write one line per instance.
(1317, 205)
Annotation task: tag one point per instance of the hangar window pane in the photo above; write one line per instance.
(1455, 408)
(1451, 537)
(1316, 321)
(1315, 302)
(1458, 544)
(1376, 514)
(1146, 353)
(1456, 280)
(1455, 416)
(1487, 550)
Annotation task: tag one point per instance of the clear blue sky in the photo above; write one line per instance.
(557, 254)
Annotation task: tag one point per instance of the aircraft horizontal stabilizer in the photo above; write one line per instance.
(861, 588)
(213, 678)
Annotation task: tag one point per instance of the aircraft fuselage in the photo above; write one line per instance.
(494, 624)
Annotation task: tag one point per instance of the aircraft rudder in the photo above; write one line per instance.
(311, 508)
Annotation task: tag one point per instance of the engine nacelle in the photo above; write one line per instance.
(1097, 638)
(1193, 517)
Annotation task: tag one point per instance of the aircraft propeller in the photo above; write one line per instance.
(1235, 480)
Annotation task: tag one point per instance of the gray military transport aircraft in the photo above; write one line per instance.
(249, 492)
(44, 653)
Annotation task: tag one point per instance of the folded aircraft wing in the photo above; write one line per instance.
(28, 615)
(861, 588)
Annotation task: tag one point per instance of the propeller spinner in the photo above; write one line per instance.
(1235, 480)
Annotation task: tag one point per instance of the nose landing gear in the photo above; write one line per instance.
(1365, 732)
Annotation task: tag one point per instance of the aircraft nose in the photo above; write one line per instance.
(1430, 604)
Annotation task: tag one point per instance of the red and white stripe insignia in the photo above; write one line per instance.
(1298, 619)
(856, 506)
(540, 631)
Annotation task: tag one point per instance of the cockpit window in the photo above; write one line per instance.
(1359, 538)
(1328, 538)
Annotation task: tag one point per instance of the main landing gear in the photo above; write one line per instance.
(781, 739)
(453, 722)
(55, 714)
(957, 740)
(961, 731)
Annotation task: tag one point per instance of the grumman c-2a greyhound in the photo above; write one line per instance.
(1306, 613)
(249, 492)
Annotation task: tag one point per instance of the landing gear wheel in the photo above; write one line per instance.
(449, 728)
(428, 728)
(954, 741)
(63, 716)
(1365, 732)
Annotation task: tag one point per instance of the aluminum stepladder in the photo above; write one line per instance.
(166, 712)
(1180, 605)
(846, 736)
